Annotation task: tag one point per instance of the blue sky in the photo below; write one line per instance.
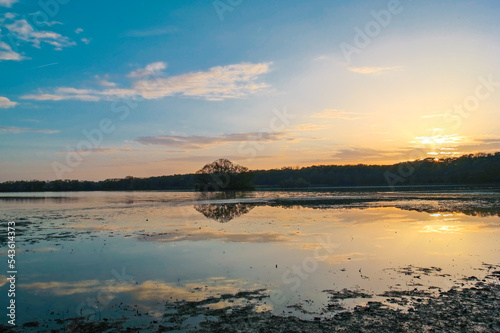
(164, 87)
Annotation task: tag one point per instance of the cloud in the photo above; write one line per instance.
(18, 130)
(86, 40)
(486, 145)
(21, 30)
(78, 30)
(200, 142)
(152, 69)
(321, 58)
(86, 95)
(311, 127)
(218, 83)
(358, 154)
(7, 3)
(337, 114)
(372, 70)
(38, 22)
(6, 53)
(153, 31)
(6, 103)
(103, 81)
(111, 150)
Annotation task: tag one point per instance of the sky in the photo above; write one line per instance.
(107, 89)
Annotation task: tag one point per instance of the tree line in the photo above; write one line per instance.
(467, 169)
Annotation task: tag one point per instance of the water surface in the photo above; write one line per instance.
(306, 253)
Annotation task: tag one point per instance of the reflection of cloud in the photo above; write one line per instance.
(224, 212)
(3, 280)
(145, 291)
(186, 235)
(447, 229)
(343, 258)
(44, 249)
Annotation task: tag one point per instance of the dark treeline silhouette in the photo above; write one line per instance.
(467, 169)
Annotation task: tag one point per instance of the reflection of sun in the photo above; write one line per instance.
(442, 228)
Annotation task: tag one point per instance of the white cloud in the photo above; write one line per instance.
(78, 30)
(39, 22)
(372, 70)
(6, 103)
(336, 114)
(86, 40)
(6, 53)
(104, 81)
(9, 15)
(152, 69)
(218, 83)
(18, 130)
(86, 95)
(23, 31)
(7, 3)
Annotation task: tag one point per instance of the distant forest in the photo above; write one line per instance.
(467, 169)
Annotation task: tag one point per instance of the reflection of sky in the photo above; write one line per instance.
(174, 252)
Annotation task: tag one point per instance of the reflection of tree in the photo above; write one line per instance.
(223, 212)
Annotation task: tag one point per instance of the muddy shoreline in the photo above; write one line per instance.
(472, 309)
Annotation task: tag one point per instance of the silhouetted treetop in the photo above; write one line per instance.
(223, 175)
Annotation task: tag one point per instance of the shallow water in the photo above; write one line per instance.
(110, 254)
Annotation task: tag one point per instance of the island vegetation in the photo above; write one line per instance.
(224, 175)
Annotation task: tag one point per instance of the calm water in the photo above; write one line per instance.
(109, 254)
